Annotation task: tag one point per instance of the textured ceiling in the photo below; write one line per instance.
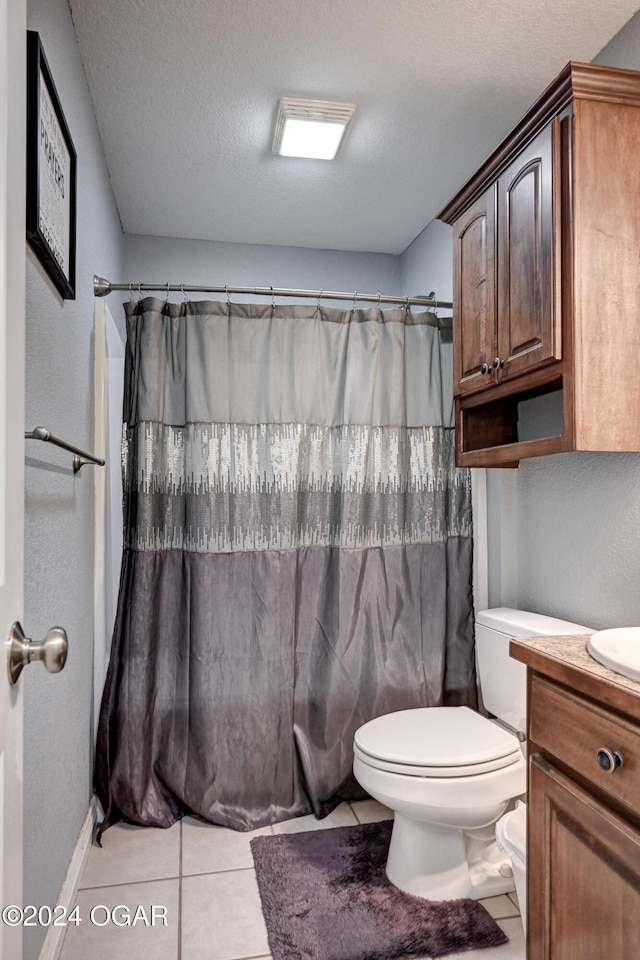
(185, 93)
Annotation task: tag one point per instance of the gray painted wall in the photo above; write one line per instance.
(59, 534)
(577, 530)
(624, 49)
(426, 264)
(426, 267)
(203, 262)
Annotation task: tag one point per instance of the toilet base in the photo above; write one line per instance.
(444, 863)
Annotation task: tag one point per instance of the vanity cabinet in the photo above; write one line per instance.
(546, 239)
(584, 874)
(583, 846)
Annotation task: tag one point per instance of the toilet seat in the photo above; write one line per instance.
(436, 742)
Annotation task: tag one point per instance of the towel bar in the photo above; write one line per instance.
(80, 456)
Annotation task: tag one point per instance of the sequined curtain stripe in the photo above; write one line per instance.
(216, 488)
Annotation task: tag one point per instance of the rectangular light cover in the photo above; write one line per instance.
(310, 128)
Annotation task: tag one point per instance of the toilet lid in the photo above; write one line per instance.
(455, 740)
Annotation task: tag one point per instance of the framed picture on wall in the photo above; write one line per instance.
(51, 175)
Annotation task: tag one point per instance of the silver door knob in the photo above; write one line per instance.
(22, 651)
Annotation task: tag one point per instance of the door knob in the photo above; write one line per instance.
(22, 651)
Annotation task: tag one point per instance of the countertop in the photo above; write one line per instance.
(566, 660)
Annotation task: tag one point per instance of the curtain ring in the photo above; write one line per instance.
(186, 298)
(406, 305)
(319, 299)
(355, 296)
(379, 301)
(131, 291)
(140, 291)
(226, 290)
(273, 299)
(166, 296)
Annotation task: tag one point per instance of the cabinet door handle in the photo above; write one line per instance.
(484, 368)
(497, 362)
(609, 760)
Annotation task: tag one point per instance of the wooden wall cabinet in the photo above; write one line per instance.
(583, 846)
(546, 255)
(504, 245)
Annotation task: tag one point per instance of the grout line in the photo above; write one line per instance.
(129, 883)
(504, 920)
(208, 873)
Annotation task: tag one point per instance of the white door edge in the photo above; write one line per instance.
(13, 25)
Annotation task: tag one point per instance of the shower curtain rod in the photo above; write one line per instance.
(102, 288)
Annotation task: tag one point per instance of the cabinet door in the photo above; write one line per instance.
(474, 295)
(583, 873)
(528, 219)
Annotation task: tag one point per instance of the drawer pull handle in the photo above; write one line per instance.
(609, 760)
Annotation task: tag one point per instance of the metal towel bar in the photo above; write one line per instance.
(80, 456)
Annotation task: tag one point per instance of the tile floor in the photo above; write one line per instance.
(204, 877)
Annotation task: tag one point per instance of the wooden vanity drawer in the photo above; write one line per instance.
(572, 729)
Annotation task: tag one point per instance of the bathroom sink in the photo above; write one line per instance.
(618, 649)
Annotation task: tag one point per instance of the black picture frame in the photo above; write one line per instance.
(51, 175)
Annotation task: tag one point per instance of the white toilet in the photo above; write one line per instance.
(449, 773)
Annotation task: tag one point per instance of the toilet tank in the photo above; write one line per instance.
(503, 681)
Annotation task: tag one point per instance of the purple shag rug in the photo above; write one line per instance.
(325, 896)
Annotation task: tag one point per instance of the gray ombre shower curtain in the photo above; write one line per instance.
(297, 556)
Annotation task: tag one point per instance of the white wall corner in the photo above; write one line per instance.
(502, 538)
(52, 946)
(480, 539)
(509, 538)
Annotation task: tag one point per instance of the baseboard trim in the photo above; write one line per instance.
(52, 945)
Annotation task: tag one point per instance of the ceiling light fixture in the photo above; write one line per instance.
(310, 128)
